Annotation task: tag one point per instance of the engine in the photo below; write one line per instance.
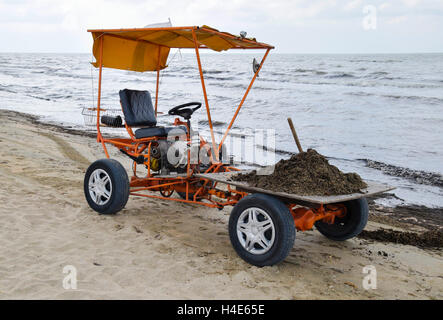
(169, 156)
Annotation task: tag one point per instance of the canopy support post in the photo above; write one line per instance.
(100, 61)
(158, 80)
(205, 94)
(242, 101)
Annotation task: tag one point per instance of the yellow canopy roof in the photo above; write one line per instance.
(147, 49)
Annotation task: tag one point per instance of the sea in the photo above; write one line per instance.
(380, 115)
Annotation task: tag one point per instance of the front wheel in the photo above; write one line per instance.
(350, 225)
(106, 186)
(261, 230)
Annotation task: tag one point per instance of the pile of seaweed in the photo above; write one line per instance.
(428, 239)
(305, 173)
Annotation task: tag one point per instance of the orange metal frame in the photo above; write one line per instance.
(197, 189)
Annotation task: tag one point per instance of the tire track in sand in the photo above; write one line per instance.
(67, 150)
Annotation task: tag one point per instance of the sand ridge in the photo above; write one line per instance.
(157, 249)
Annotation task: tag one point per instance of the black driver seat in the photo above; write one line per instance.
(159, 132)
(139, 112)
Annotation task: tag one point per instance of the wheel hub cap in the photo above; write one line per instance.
(100, 187)
(255, 231)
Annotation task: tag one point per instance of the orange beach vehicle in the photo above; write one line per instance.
(262, 224)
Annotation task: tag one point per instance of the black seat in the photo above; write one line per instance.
(139, 112)
(137, 108)
(159, 132)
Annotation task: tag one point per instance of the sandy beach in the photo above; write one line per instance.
(155, 249)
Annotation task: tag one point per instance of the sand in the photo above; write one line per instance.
(156, 249)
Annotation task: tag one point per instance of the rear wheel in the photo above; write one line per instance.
(106, 186)
(350, 225)
(261, 230)
(166, 192)
(190, 196)
(182, 195)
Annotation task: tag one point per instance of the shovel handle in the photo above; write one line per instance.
(294, 133)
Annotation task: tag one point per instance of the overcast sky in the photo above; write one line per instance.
(292, 26)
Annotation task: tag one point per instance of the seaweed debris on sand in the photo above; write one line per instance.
(305, 173)
(428, 239)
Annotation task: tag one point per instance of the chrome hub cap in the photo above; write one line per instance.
(100, 187)
(255, 231)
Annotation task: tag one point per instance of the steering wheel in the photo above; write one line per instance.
(183, 110)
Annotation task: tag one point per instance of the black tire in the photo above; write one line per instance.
(283, 226)
(191, 195)
(183, 195)
(165, 194)
(350, 225)
(119, 193)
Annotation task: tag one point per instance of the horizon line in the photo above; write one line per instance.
(308, 53)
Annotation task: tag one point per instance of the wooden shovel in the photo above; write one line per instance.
(294, 133)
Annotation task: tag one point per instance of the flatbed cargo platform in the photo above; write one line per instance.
(224, 177)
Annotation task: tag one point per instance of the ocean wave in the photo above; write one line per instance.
(391, 78)
(378, 75)
(417, 176)
(278, 74)
(300, 70)
(71, 75)
(257, 87)
(214, 123)
(359, 94)
(276, 151)
(6, 89)
(229, 85)
(430, 100)
(181, 68)
(58, 96)
(213, 71)
(37, 97)
(220, 78)
(374, 61)
(340, 75)
(425, 100)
